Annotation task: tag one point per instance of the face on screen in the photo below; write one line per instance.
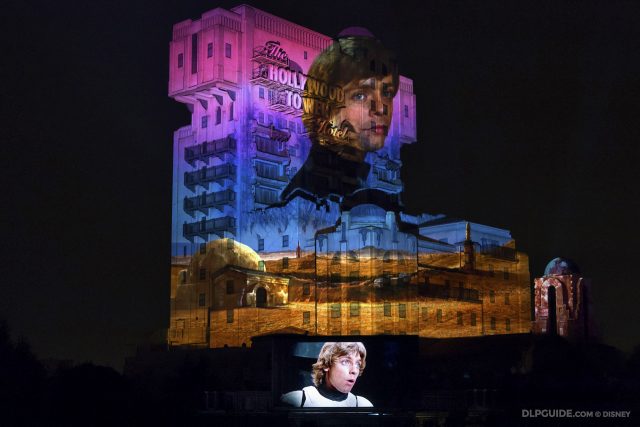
(343, 373)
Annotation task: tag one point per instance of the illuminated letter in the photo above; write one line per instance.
(282, 76)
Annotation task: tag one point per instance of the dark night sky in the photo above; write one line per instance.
(527, 119)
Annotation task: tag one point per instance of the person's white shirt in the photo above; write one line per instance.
(313, 399)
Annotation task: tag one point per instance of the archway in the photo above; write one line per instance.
(552, 327)
(261, 297)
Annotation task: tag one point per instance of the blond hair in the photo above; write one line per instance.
(331, 352)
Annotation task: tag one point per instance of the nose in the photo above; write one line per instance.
(378, 100)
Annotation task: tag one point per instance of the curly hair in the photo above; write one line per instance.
(331, 352)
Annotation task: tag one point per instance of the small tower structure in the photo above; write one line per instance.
(562, 302)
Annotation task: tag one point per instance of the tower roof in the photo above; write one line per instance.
(355, 32)
(560, 267)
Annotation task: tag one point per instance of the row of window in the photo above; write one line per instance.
(354, 311)
(505, 272)
(194, 53)
(492, 297)
(285, 244)
(204, 120)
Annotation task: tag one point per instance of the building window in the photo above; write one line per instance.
(306, 289)
(261, 265)
(285, 241)
(230, 287)
(387, 309)
(229, 316)
(202, 274)
(335, 311)
(354, 309)
(218, 115)
(306, 317)
(505, 273)
(194, 53)
(203, 248)
(261, 118)
(209, 50)
(402, 311)
(506, 298)
(305, 54)
(493, 323)
(180, 60)
(507, 324)
(261, 92)
(261, 244)
(425, 313)
(492, 296)
(473, 319)
(285, 262)
(439, 315)
(201, 300)
(204, 121)
(227, 50)
(231, 111)
(406, 111)
(459, 316)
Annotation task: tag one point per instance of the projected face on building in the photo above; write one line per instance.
(367, 112)
(349, 96)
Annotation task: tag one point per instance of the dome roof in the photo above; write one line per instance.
(355, 32)
(368, 213)
(223, 252)
(560, 267)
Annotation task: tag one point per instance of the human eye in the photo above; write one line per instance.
(345, 362)
(359, 96)
(386, 91)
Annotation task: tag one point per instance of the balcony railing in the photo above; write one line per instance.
(271, 148)
(274, 178)
(500, 252)
(205, 201)
(207, 175)
(202, 229)
(208, 149)
(270, 131)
